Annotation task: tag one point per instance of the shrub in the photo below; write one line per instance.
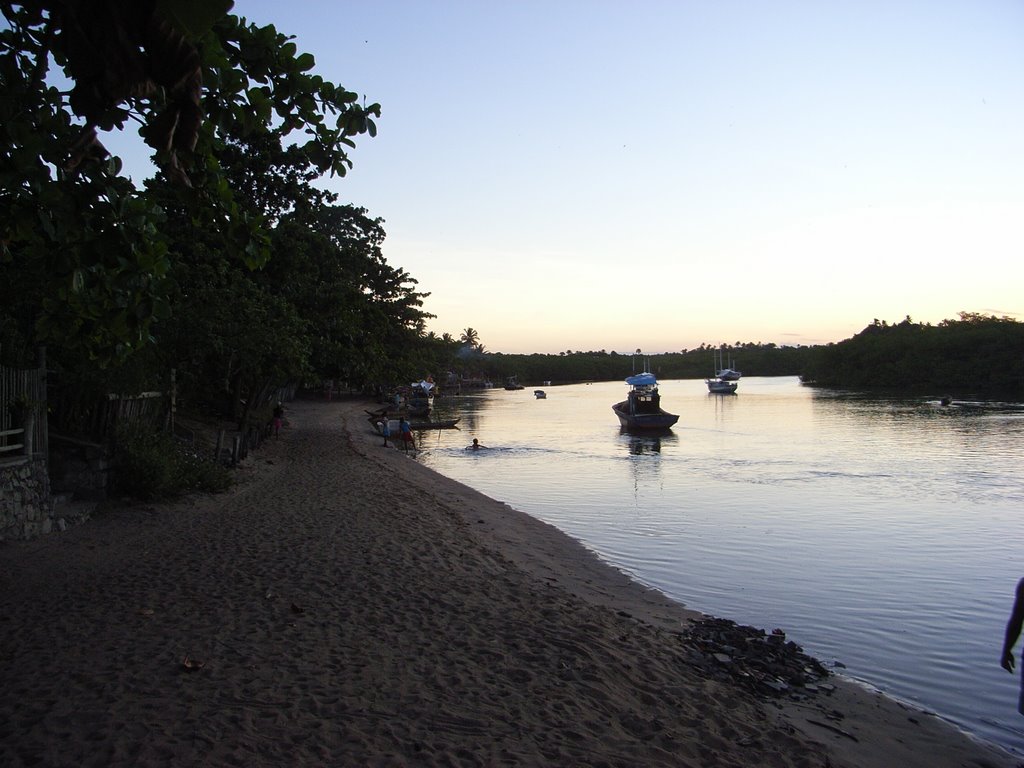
(155, 466)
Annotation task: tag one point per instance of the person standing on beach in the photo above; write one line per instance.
(278, 418)
(405, 430)
(385, 429)
(1013, 627)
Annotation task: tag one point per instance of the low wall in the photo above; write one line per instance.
(26, 509)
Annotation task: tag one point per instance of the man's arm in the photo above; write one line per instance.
(1013, 627)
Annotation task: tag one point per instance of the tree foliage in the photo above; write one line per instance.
(975, 354)
(757, 360)
(85, 253)
(230, 266)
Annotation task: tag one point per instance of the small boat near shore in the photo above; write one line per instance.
(376, 419)
(421, 398)
(642, 407)
(442, 424)
(540, 394)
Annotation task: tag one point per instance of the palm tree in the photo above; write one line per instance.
(471, 337)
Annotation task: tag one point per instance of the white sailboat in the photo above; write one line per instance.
(725, 380)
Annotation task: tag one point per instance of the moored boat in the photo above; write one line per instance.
(540, 394)
(721, 386)
(724, 382)
(642, 407)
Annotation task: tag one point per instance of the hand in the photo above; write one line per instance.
(1007, 662)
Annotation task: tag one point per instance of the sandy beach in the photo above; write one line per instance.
(345, 606)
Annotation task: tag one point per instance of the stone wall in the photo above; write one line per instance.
(26, 509)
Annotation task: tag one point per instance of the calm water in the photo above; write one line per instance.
(881, 533)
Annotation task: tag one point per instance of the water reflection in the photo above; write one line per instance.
(640, 443)
(645, 460)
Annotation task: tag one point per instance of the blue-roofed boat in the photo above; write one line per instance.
(642, 407)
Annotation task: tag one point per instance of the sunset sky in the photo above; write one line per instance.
(600, 174)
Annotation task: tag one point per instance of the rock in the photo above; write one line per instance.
(767, 665)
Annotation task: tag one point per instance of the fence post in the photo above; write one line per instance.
(174, 396)
(27, 434)
(44, 407)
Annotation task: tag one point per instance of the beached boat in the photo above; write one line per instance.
(642, 407)
(540, 394)
(442, 424)
(377, 422)
(421, 398)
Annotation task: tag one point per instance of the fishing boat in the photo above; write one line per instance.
(642, 407)
(442, 424)
(421, 398)
(377, 422)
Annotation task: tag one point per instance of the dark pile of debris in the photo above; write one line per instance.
(766, 664)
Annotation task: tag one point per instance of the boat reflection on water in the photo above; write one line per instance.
(641, 443)
(645, 459)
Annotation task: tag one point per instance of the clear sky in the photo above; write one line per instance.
(601, 174)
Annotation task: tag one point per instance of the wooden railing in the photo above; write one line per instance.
(7, 448)
(23, 392)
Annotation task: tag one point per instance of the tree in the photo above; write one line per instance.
(83, 253)
(471, 337)
(333, 307)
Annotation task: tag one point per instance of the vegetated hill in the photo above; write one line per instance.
(976, 354)
(752, 359)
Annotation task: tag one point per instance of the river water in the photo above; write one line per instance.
(881, 533)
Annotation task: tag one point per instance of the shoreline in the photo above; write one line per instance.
(348, 605)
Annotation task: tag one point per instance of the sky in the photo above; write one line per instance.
(611, 175)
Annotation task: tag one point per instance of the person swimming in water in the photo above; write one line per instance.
(476, 446)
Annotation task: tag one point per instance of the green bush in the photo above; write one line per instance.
(155, 466)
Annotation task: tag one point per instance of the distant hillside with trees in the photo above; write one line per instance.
(976, 354)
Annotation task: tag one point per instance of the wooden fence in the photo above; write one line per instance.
(23, 404)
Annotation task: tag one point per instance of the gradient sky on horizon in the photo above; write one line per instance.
(596, 174)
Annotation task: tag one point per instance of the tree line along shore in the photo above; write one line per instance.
(971, 355)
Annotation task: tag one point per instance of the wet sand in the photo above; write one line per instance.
(344, 605)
